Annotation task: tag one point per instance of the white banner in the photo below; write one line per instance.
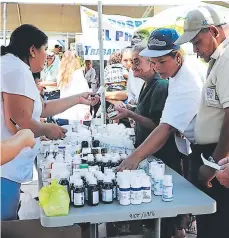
(118, 31)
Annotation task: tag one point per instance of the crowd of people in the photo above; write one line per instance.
(179, 109)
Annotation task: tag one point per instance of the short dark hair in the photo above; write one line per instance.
(37, 75)
(22, 39)
(56, 46)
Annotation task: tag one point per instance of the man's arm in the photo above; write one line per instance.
(222, 148)
(118, 95)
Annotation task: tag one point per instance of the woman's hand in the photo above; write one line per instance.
(54, 132)
(88, 99)
(130, 163)
(27, 136)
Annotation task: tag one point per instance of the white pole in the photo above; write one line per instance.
(4, 22)
(101, 59)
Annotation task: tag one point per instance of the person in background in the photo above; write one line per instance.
(22, 107)
(56, 50)
(37, 79)
(126, 59)
(13, 146)
(49, 76)
(71, 81)
(134, 84)
(208, 31)
(90, 75)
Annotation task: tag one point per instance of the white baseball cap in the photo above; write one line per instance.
(196, 20)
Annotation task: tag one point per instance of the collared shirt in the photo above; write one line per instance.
(49, 74)
(215, 98)
(134, 86)
(17, 78)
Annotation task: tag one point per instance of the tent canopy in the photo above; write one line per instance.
(64, 16)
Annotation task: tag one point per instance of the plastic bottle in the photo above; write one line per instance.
(84, 166)
(90, 161)
(124, 192)
(49, 162)
(167, 195)
(107, 193)
(153, 167)
(158, 183)
(76, 162)
(78, 193)
(93, 192)
(68, 162)
(99, 161)
(146, 189)
(61, 150)
(136, 191)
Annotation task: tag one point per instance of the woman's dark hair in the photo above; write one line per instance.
(22, 39)
(37, 75)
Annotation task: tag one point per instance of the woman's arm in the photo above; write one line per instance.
(118, 95)
(151, 145)
(12, 147)
(44, 84)
(21, 112)
(53, 107)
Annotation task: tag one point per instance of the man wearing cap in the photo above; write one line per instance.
(208, 32)
(49, 75)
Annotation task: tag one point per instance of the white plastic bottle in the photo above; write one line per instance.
(124, 192)
(146, 189)
(158, 183)
(136, 191)
(167, 195)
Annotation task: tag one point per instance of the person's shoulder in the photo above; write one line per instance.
(162, 83)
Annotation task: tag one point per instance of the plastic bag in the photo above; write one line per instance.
(29, 208)
(54, 199)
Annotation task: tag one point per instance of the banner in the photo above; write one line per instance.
(117, 32)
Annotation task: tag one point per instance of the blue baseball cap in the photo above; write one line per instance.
(160, 43)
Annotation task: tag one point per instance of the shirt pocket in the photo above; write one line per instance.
(211, 97)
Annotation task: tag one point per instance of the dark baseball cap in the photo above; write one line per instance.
(161, 42)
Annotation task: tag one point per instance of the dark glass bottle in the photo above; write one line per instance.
(78, 193)
(107, 194)
(64, 182)
(95, 143)
(105, 164)
(71, 190)
(93, 193)
(100, 185)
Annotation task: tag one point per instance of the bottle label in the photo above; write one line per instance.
(107, 195)
(78, 199)
(158, 186)
(95, 197)
(86, 193)
(167, 192)
(72, 196)
(146, 193)
(114, 192)
(136, 195)
(124, 196)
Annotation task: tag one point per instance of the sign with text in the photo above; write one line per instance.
(117, 32)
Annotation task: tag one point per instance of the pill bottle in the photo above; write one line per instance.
(158, 183)
(136, 191)
(93, 192)
(107, 192)
(146, 189)
(124, 192)
(167, 195)
(78, 196)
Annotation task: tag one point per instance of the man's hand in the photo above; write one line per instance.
(122, 113)
(223, 174)
(88, 99)
(205, 176)
(130, 163)
(41, 84)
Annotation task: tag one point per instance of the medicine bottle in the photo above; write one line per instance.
(107, 193)
(78, 193)
(146, 189)
(124, 192)
(93, 192)
(167, 195)
(136, 191)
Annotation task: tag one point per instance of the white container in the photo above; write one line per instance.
(153, 170)
(146, 189)
(49, 162)
(76, 162)
(124, 192)
(167, 195)
(78, 198)
(158, 183)
(68, 162)
(136, 191)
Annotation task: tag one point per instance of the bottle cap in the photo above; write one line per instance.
(100, 177)
(90, 156)
(71, 180)
(124, 183)
(92, 181)
(108, 171)
(168, 180)
(83, 166)
(78, 182)
(107, 179)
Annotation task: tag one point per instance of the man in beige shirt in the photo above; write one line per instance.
(208, 32)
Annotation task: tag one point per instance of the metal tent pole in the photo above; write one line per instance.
(4, 22)
(101, 58)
